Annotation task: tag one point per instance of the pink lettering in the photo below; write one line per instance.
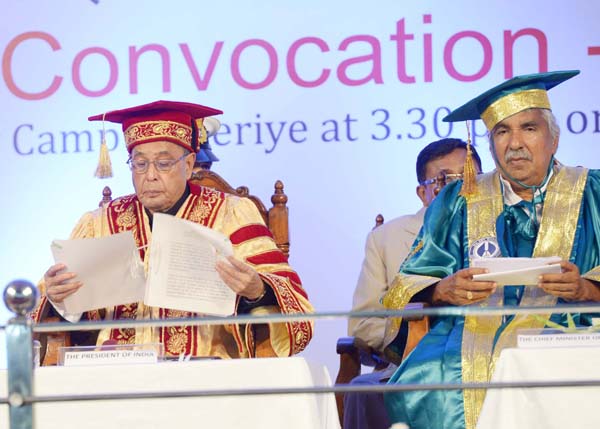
(254, 63)
(401, 38)
(235, 64)
(291, 62)
(201, 83)
(427, 52)
(113, 73)
(7, 66)
(487, 56)
(509, 42)
(134, 56)
(374, 57)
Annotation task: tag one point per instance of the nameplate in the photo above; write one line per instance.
(582, 339)
(109, 357)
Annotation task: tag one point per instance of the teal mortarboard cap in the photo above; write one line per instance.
(510, 97)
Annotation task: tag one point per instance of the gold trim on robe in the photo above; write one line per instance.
(593, 274)
(483, 208)
(555, 238)
(403, 288)
(229, 215)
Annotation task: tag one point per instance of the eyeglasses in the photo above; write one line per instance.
(441, 180)
(140, 166)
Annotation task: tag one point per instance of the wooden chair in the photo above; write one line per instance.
(276, 219)
(354, 352)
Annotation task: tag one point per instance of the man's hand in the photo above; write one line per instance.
(461, 289)
(569, 284)
(57, 288)
(241, 278)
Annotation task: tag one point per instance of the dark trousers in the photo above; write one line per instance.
(366, 410)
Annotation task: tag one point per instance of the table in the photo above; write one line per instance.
(297, 411)
(547, 408)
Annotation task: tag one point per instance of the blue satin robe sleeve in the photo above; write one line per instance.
(442, 244)
(586, 251)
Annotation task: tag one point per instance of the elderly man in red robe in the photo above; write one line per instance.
(162, 144)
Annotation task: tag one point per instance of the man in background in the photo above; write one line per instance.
(439, 163)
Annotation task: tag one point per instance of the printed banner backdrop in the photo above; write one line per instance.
(333, 98)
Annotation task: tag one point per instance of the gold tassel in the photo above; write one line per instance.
(469, 186)
(104, 168)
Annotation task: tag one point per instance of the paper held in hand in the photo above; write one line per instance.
(181, 273)
(516, 271)
(181, 269)
(109, 268)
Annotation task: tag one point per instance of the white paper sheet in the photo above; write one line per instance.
(109, 268)
(181, 276)
(516, 271)
(182, 272)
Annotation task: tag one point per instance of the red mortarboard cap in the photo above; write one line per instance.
(158, 121)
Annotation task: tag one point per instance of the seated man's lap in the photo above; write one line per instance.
(366, 410)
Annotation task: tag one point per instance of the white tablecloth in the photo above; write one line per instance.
(305, 411)
(544, 408)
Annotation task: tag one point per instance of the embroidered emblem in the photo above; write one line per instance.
(202, 208)
(486, 247)
(176, 340)
(152, 130)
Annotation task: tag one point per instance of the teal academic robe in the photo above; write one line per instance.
(465, 349)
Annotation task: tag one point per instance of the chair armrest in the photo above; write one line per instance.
(416, 306)
(348, 349)
(350, 345)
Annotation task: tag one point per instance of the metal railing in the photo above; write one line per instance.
(21, 297)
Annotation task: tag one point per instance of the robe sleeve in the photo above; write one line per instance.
(253, 243)
(587, 252)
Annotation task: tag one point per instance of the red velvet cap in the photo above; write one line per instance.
(158, 121)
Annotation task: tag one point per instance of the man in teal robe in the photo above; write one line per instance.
(529, 206)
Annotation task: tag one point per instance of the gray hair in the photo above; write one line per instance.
(548, 117)
(552, 123)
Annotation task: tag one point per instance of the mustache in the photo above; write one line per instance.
(517, 154)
